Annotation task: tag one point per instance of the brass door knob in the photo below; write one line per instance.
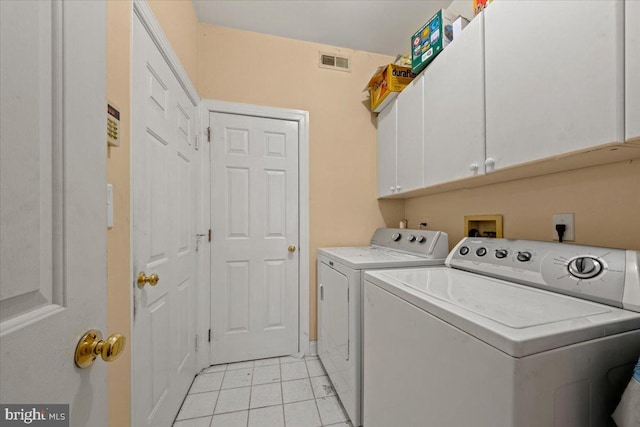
(91, 345)
(152, 279)
(292, 248)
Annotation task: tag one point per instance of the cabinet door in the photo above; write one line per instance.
(410, 142)
(632, 72)
(554, 78)
(387, 132)
(454, 109)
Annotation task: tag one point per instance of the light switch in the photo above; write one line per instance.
(109, 206)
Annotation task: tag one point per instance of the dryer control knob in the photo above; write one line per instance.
(585, 267)
(396, 236)
(524, 256)
(481, 251)
(464, 250)
(421, 239)
(411, 238)
(501, 253)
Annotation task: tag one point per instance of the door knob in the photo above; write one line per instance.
(91, 345)
(152, 279)
(291, 248)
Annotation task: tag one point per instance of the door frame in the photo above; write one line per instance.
(143, 12)
(208, 106)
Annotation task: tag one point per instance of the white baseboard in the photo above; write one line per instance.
(313, 348)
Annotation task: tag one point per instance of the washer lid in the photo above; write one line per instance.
(370, 257)
(516, 319)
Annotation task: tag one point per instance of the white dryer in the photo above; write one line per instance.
(516, 334)
(340, 278)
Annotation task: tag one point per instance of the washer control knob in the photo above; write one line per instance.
(396, 236)
(421, 239)
(524, 256)
(481, 251)
(585, 267)
(464, 250)
(501, 253)
(411, 238)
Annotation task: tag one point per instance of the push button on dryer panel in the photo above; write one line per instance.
(411, 238)
(422, 239)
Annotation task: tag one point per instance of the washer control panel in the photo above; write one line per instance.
(587, 272)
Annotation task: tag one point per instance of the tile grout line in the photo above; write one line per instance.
(250, 393)
(315, 398)
(218, 396)
(284, 420)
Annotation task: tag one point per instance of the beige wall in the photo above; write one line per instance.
(605, 200)
(177, 18)
(180, 24)
(252, 68)
(118, 255)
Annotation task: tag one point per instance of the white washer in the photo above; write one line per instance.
(516, 334)
(340, 278)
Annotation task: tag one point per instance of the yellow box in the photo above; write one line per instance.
(387, 82)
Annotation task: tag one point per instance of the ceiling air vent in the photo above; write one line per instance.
(335, 62)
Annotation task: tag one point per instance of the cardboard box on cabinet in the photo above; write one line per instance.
(387, 82)
(433, 37)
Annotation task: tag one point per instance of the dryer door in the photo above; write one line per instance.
(334, 314)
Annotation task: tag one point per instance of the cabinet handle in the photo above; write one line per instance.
(398, 187)
(473, 167)
(490, 163)
(393, 189)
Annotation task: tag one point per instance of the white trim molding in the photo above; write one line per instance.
(142, 9)
(302, 117)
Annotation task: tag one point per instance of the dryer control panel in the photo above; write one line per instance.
(427, 243)
(605, 275)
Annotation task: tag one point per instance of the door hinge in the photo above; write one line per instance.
(210, 233)
(196, 342)
(209, 134)
(209, 335)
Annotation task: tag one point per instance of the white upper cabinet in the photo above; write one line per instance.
(454, 109)
(554, 78)
(410, 167)
(632, 72)
(386, 146)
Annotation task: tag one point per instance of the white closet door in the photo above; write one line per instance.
(255, 256)
(53, 148)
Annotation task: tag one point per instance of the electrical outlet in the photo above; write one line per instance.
(566, 219)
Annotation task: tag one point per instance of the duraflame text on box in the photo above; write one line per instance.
(386, 83)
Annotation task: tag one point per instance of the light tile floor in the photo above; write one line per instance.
(277, 392)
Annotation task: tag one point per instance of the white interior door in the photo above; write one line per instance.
(254, 217)
(52, 204)
(163, 174)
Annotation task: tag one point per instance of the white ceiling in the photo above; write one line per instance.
(380, 26)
